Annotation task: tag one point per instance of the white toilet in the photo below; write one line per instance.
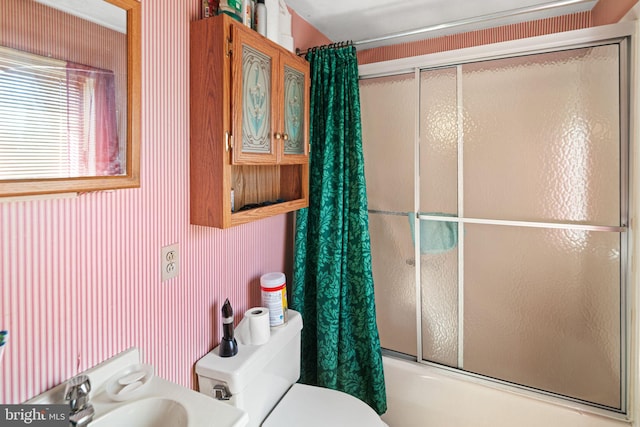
(261, 380)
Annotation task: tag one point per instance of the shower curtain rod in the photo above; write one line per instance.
(467, 21)
(325, 46)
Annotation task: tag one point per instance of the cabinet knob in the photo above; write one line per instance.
(278, 135)
(285, 136)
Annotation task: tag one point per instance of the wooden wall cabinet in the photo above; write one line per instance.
(249, 125)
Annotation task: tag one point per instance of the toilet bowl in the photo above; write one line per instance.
(261, 380)
(310, 406)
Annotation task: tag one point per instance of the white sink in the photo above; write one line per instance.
(150, 412)
(157, 403)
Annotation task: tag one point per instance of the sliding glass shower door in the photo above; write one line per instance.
(389, 123)
(498, 213)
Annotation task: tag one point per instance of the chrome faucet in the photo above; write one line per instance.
(77, 393)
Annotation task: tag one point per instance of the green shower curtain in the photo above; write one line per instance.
(332, 280)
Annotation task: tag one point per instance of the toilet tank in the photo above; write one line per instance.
(259, 375)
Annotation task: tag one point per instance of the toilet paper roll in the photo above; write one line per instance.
(254, 328)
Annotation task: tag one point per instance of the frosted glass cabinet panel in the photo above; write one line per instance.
(256, 101)
(270, 124)
(541, 137)
(294, 111)
(555, 328)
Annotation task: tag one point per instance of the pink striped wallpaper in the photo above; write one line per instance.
(80, 277)
(604, 12)
(476, 38)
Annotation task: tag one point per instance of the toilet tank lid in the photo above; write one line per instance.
(237, 371)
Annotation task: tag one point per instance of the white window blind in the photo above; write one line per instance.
(42, 131)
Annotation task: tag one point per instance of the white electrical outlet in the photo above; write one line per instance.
(170, 261)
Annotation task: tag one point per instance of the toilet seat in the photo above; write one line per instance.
(309, 406)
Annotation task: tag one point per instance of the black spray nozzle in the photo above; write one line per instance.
(227, 311)
(228, 345)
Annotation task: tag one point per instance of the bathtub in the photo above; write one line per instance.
(425, 396)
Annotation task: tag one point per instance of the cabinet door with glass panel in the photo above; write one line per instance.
(294, 109)
(269, 88)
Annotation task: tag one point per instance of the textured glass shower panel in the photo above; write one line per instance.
(439, 295)
(542, 309)
(541, 137)
(394, 277)
(438, 141)
(388, 134)
(293, 111)
(256, 101)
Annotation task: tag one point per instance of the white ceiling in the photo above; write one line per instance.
(98, 11)
(359, 20)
